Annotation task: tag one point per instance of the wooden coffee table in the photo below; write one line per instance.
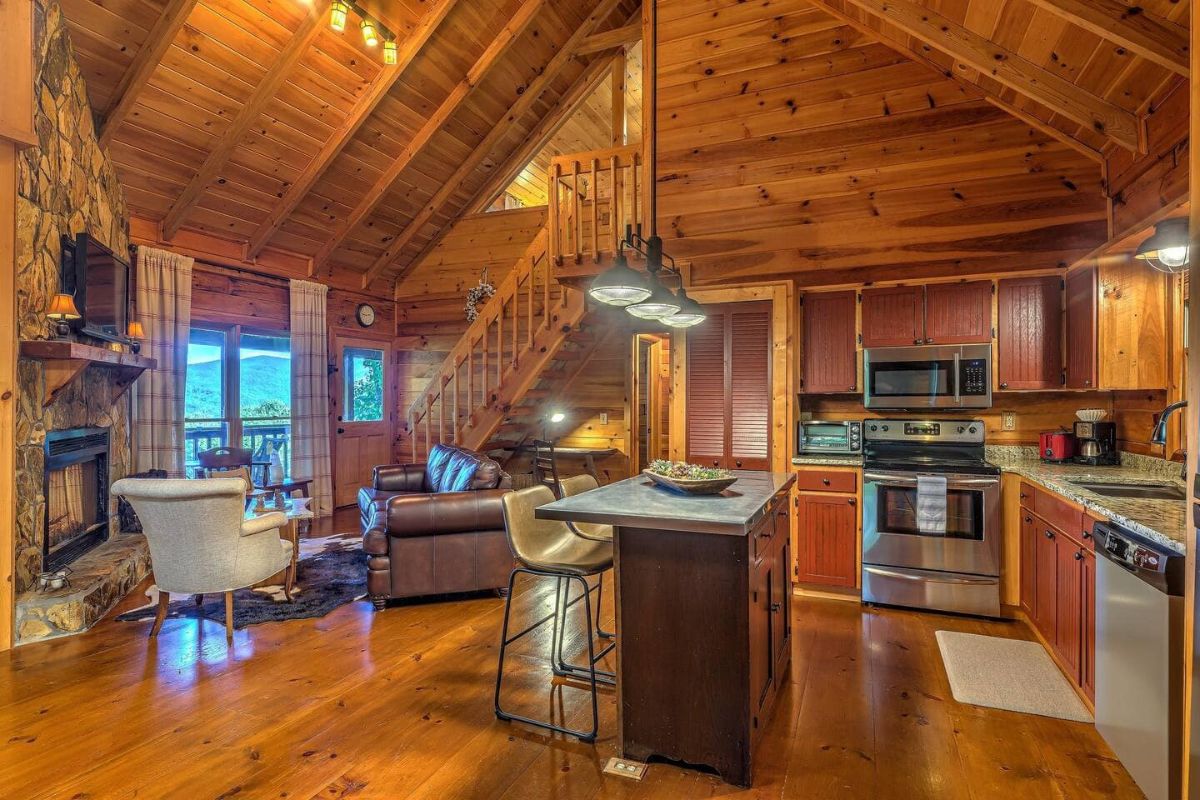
(290, 532)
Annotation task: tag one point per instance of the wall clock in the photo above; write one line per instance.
(365, 314)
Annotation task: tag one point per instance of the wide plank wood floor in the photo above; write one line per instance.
(398, 704)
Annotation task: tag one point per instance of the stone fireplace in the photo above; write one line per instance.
(75, 492)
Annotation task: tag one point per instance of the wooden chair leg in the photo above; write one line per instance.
(199, 600)
(289, 578)
(164, 600)
(229, 617)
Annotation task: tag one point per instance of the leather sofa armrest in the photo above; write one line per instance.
(399, 478)
(375, 536)
(445, 512)
(266, 522)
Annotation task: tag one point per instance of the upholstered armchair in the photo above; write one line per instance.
(200, 541)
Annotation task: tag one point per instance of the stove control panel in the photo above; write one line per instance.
(915, 431)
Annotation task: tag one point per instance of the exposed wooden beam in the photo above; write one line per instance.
(975, 89)
(621, 37)
(125, 96)
(1007, 67)
(297, 47)
(1158, 40)
(517, 110)
(617, 80)
(475, 75)
(363, 109)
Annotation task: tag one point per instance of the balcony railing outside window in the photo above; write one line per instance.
(262, 436)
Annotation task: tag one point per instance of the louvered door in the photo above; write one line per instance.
(729, 387)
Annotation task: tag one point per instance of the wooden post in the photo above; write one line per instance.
(554, 246)
(576, 213)
(618, 98)
(614, 207)
(596, 210)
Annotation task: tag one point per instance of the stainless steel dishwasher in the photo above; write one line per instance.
(1139, 656)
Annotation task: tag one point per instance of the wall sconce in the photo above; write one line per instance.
(1167, 249)
(61, 311)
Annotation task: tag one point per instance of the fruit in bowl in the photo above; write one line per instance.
(689, 478)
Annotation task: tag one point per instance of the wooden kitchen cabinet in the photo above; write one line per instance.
(1068, 602)
(829, 352)
(1082, 335)
(893, 317)
(1087, 667)
(827, 535)
(958, 313)
(1045, 557)
(1028, 575)
(1029, 325)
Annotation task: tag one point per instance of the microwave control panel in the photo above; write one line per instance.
(973, 376)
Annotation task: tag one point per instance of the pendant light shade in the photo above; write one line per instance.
(661, 303)
(337, 15)
(1167, 249)
(389, 52)
(620, 284)
(690, 313)
(370, 35)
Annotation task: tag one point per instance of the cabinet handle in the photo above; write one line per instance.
(1087, 383)
(1079, 555)
(929, 341)
(850, 500)
(1004, 384)
(775, 607)
(1028, 520)
(852, 387)
(1023, 495)
(916, 341)
(1049, 534)
(1087, 534)
(737, 463)
(825, 481)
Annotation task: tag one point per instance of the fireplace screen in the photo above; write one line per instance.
(71, 498)
(75, 483)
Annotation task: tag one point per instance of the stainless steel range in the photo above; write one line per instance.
(931, 516)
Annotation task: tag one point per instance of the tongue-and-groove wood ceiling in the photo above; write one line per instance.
(253, 120)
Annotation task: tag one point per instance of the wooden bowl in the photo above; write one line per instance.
(694, 486)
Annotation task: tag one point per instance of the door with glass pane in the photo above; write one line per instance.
(362, 401)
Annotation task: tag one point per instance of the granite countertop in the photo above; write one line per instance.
(639, 502)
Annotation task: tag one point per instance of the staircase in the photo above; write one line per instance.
(531, 337)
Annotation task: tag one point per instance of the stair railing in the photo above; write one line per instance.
(592, 196)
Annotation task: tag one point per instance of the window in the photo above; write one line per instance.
(362, 382)
(247, 399)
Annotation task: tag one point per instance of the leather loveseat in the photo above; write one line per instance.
(436, 527)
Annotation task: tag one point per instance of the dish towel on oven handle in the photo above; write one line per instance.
(931, 504)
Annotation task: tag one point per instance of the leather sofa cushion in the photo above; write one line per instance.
(445, 512)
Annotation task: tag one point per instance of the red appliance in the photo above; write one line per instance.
(1056, 446)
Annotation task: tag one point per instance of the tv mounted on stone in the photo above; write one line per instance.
(100, 280)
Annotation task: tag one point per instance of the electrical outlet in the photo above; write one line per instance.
(603, 417)
(1008, 420)
(626, 768)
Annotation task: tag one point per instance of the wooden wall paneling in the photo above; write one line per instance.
(1192, 414)
(1132, 323)
(828, 348)
(1029, 333)
(8, 343)
(16, 90)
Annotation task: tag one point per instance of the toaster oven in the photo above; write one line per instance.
(815, 437)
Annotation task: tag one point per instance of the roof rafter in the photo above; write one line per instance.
(475, 75)
(158, 41)
(310, 28)
(607, 40)
(1158, 40)
(363, 109)
(1007, 67)
(521, 105)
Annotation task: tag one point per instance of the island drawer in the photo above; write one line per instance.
(843, 481)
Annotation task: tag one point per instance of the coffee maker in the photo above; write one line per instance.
(1097, 443)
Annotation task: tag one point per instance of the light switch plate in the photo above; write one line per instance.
(1008, 420)
(626, 768)
(603, 417)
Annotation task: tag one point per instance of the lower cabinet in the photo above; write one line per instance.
(1058, 587)
(770, 610)
(827, 534)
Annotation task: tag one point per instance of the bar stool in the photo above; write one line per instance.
(578, 484)
(549, 549)
(545, 466)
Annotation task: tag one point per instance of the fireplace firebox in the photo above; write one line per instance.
(75, 487)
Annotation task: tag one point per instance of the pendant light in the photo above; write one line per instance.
(370, 35)
(337, 15)
(661, 303)
(389, 52)
(620, 284)
(1167, 249)
(690, 313)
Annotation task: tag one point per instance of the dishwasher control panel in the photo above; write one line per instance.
(1152, 562)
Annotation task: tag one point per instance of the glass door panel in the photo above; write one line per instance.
(362, 384)
(206, 424)
(265, 401)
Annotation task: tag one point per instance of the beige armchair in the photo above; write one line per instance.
(200, 541)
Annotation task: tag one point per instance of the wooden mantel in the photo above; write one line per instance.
(65, 362)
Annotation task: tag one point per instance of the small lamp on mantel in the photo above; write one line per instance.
(61, 311)
(136, 333)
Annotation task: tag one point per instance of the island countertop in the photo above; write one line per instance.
(639, 502)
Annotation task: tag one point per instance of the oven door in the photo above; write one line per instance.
(970, 543)
(911, 377)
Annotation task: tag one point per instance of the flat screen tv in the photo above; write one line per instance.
(100, 281)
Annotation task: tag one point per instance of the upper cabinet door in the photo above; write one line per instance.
(893, 317)
(830, 357)
(958, 313)
(1081, 329)
(1029, 333)
(749, 361)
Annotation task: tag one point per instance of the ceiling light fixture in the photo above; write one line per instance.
(337, 15)
(690, 313)
(389, 52)
(370, 34)
(1168, 248)
(620, 285)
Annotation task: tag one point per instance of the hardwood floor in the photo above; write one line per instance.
(399, 705)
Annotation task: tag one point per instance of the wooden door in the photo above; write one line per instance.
(1081, 326)
(707, 442)
(893, 317)
(829, 351)
(1029, 333)
(1046, 574)
(958, 313)
(1087, 656)
(1029, 534)
(362, 409)
(1068, 630)
(827, 540)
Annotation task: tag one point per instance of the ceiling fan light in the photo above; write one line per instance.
(370, 34)
(1168, 248)
(337, 15)
(661, 303)
(620, 285)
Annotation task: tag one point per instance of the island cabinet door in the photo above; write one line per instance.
(781, 592)
(830, 355)
(762, 651)
(958, 313)
(1029, 333)
(893, 317)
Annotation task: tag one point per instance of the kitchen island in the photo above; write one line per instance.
(702, 602)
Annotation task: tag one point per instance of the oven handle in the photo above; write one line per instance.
(887, 573)
(899, 481)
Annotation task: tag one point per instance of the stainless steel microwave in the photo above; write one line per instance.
(930, 376)
(815, 437)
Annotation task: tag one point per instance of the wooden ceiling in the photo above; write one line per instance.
(252, 120)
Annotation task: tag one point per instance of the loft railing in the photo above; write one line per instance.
(592, 197)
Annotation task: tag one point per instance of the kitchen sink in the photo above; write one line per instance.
(1138, 491)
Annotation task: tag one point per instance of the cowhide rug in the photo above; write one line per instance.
(333, 572)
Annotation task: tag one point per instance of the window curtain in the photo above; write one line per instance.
(164, 306)
(310, 392)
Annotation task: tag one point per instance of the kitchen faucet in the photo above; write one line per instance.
(1159, 436)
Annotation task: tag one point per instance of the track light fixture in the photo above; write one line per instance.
(372, 31)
